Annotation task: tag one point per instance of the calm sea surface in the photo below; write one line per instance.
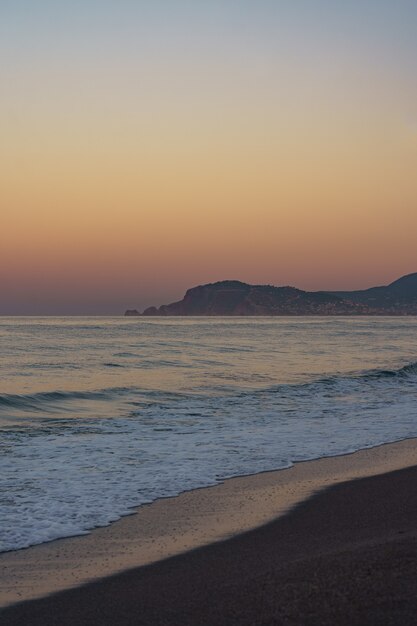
(98, 415)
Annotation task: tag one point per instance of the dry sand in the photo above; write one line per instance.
(175, 525)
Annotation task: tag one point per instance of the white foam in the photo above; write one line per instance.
(64, 482)
(208, 412)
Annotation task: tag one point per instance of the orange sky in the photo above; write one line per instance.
(144, 153)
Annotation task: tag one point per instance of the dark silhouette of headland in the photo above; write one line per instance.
(232, 297)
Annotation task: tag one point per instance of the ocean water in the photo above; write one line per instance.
(99, 415)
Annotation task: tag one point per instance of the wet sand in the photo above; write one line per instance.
(336, 552)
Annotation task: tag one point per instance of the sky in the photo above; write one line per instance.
(148, 147)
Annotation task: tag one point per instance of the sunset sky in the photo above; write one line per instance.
(146, 147)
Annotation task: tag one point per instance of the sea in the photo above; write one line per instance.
(102, 414)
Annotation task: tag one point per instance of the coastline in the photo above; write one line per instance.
(173, 526)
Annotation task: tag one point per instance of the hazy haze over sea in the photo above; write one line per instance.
(98, 415)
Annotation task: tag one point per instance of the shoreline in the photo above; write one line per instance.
(176, 525)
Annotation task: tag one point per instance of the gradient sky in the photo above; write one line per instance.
(146, 147)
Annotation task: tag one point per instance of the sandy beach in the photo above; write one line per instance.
(282, 530)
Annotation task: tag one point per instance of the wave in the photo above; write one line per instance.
(406, 371)
(40, 401)
(169, 442)
(43, 400)
(403, 374)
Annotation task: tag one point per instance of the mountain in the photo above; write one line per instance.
(400, 297)
(232, 297)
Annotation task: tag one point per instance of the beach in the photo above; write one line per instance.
(327, 541)
(208, 313)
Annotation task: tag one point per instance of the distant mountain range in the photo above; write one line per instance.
(232, 297)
